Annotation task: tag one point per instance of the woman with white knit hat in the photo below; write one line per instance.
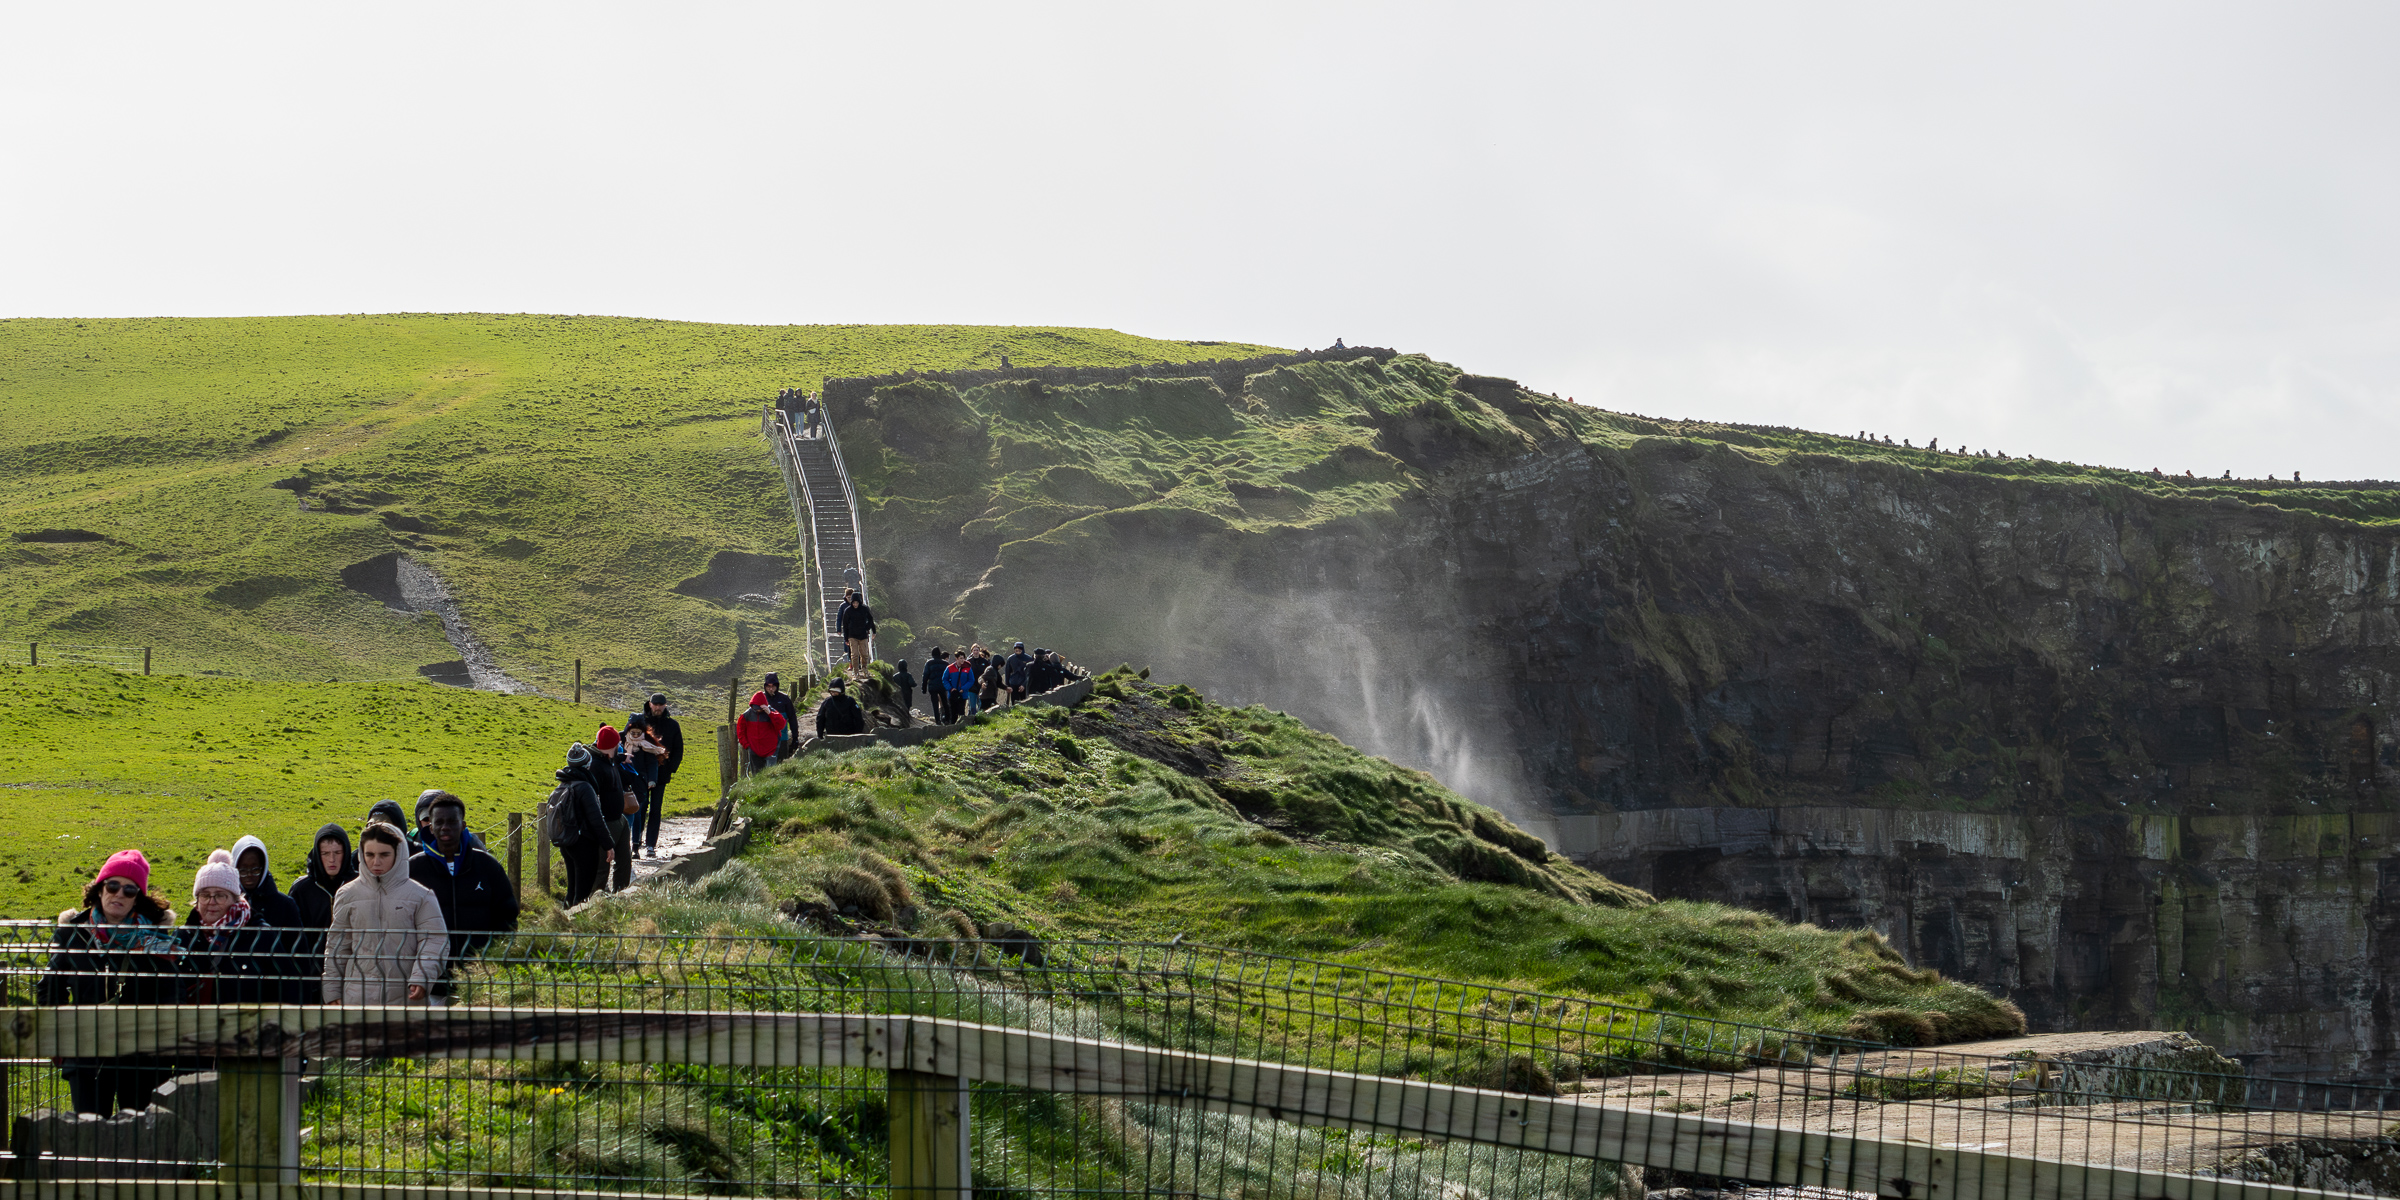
(229, 951)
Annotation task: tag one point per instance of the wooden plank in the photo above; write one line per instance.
(1058, 1063)
(250, 1120)
(928, 1137)
(190, 1189)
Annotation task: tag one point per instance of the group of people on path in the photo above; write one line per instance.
(971, 680)
(388, 924)
(611, 798)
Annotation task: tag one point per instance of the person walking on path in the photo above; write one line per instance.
(781, 702)
(760, 730)
(905, 682)
(839, 713)
(617, 803)
(580, 829)
(120, 948)
(936, 703)
(387, 941)
(231, 953)
(957, 678)
(1015, 666)
(667, 732)
(478, 903)
(989, 683)
(858, 627)
(330, 865)
(643, 757)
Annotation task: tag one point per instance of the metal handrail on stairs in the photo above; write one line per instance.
(777, 426)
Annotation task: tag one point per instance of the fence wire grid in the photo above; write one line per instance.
(458, 1104)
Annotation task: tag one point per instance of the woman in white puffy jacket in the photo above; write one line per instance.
(387, 940)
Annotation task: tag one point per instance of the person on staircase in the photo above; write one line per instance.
(781, 702)
(858, 625)
(839, 714)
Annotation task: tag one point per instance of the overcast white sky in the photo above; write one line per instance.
(2142, 234)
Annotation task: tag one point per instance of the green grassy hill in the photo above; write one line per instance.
(1150, 812)
(200, 485)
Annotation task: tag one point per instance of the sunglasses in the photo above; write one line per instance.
(114, 888)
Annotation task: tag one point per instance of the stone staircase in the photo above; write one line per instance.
(828, 511)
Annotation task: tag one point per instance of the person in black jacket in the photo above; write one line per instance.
(231, 953)
(258, 885)
(583, 829)
(119, 949)
(478, 904)
(781, 701)
(858, 625)
(390, 813)
(839, 713)
(330, 865)
(667, 732)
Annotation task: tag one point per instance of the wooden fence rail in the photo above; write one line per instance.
(931, 1059)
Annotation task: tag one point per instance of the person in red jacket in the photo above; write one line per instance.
(760, 731)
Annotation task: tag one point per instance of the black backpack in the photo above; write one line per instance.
(566, 817)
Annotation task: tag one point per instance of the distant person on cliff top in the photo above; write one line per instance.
(781, 702)
(760, 731)
(1014, 667)
(839, 714)
(858, 624)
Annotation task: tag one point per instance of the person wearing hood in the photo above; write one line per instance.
(390, 813)
(581, 829)
(330, 865)
(839, 714)
(783, 704)
(231, 953)
(119, 948)
(386, 943)
(258, 885)
(760, 730)
(610, 748)
(478, 903)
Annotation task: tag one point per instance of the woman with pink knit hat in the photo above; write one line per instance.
(120, 948)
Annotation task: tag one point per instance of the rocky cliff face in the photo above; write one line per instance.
(2113, 747)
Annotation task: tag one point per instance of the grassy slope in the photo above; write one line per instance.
(95, 761)
(560, 473)
(1152, 812)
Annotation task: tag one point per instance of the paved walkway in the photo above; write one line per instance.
(677, 836)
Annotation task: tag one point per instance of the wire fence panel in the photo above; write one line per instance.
(666, 1064)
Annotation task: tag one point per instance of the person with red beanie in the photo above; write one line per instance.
(760, 731)
(609, 749)
(120, 948)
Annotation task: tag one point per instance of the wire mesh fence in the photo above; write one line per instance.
(666, 1064)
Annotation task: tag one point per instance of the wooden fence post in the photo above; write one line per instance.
(930, 1155)
(541, 847)
(728, 761)
(579, 681)
(516, 852)
(145, 660)
(33, 654)
(257, 1122)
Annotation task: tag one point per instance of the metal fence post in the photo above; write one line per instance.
(930, 1155)
(516, 852)
(541, 847)
(258, 1119)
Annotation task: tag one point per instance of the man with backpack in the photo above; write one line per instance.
(839, 714)
(577, 826)
(760, 731)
